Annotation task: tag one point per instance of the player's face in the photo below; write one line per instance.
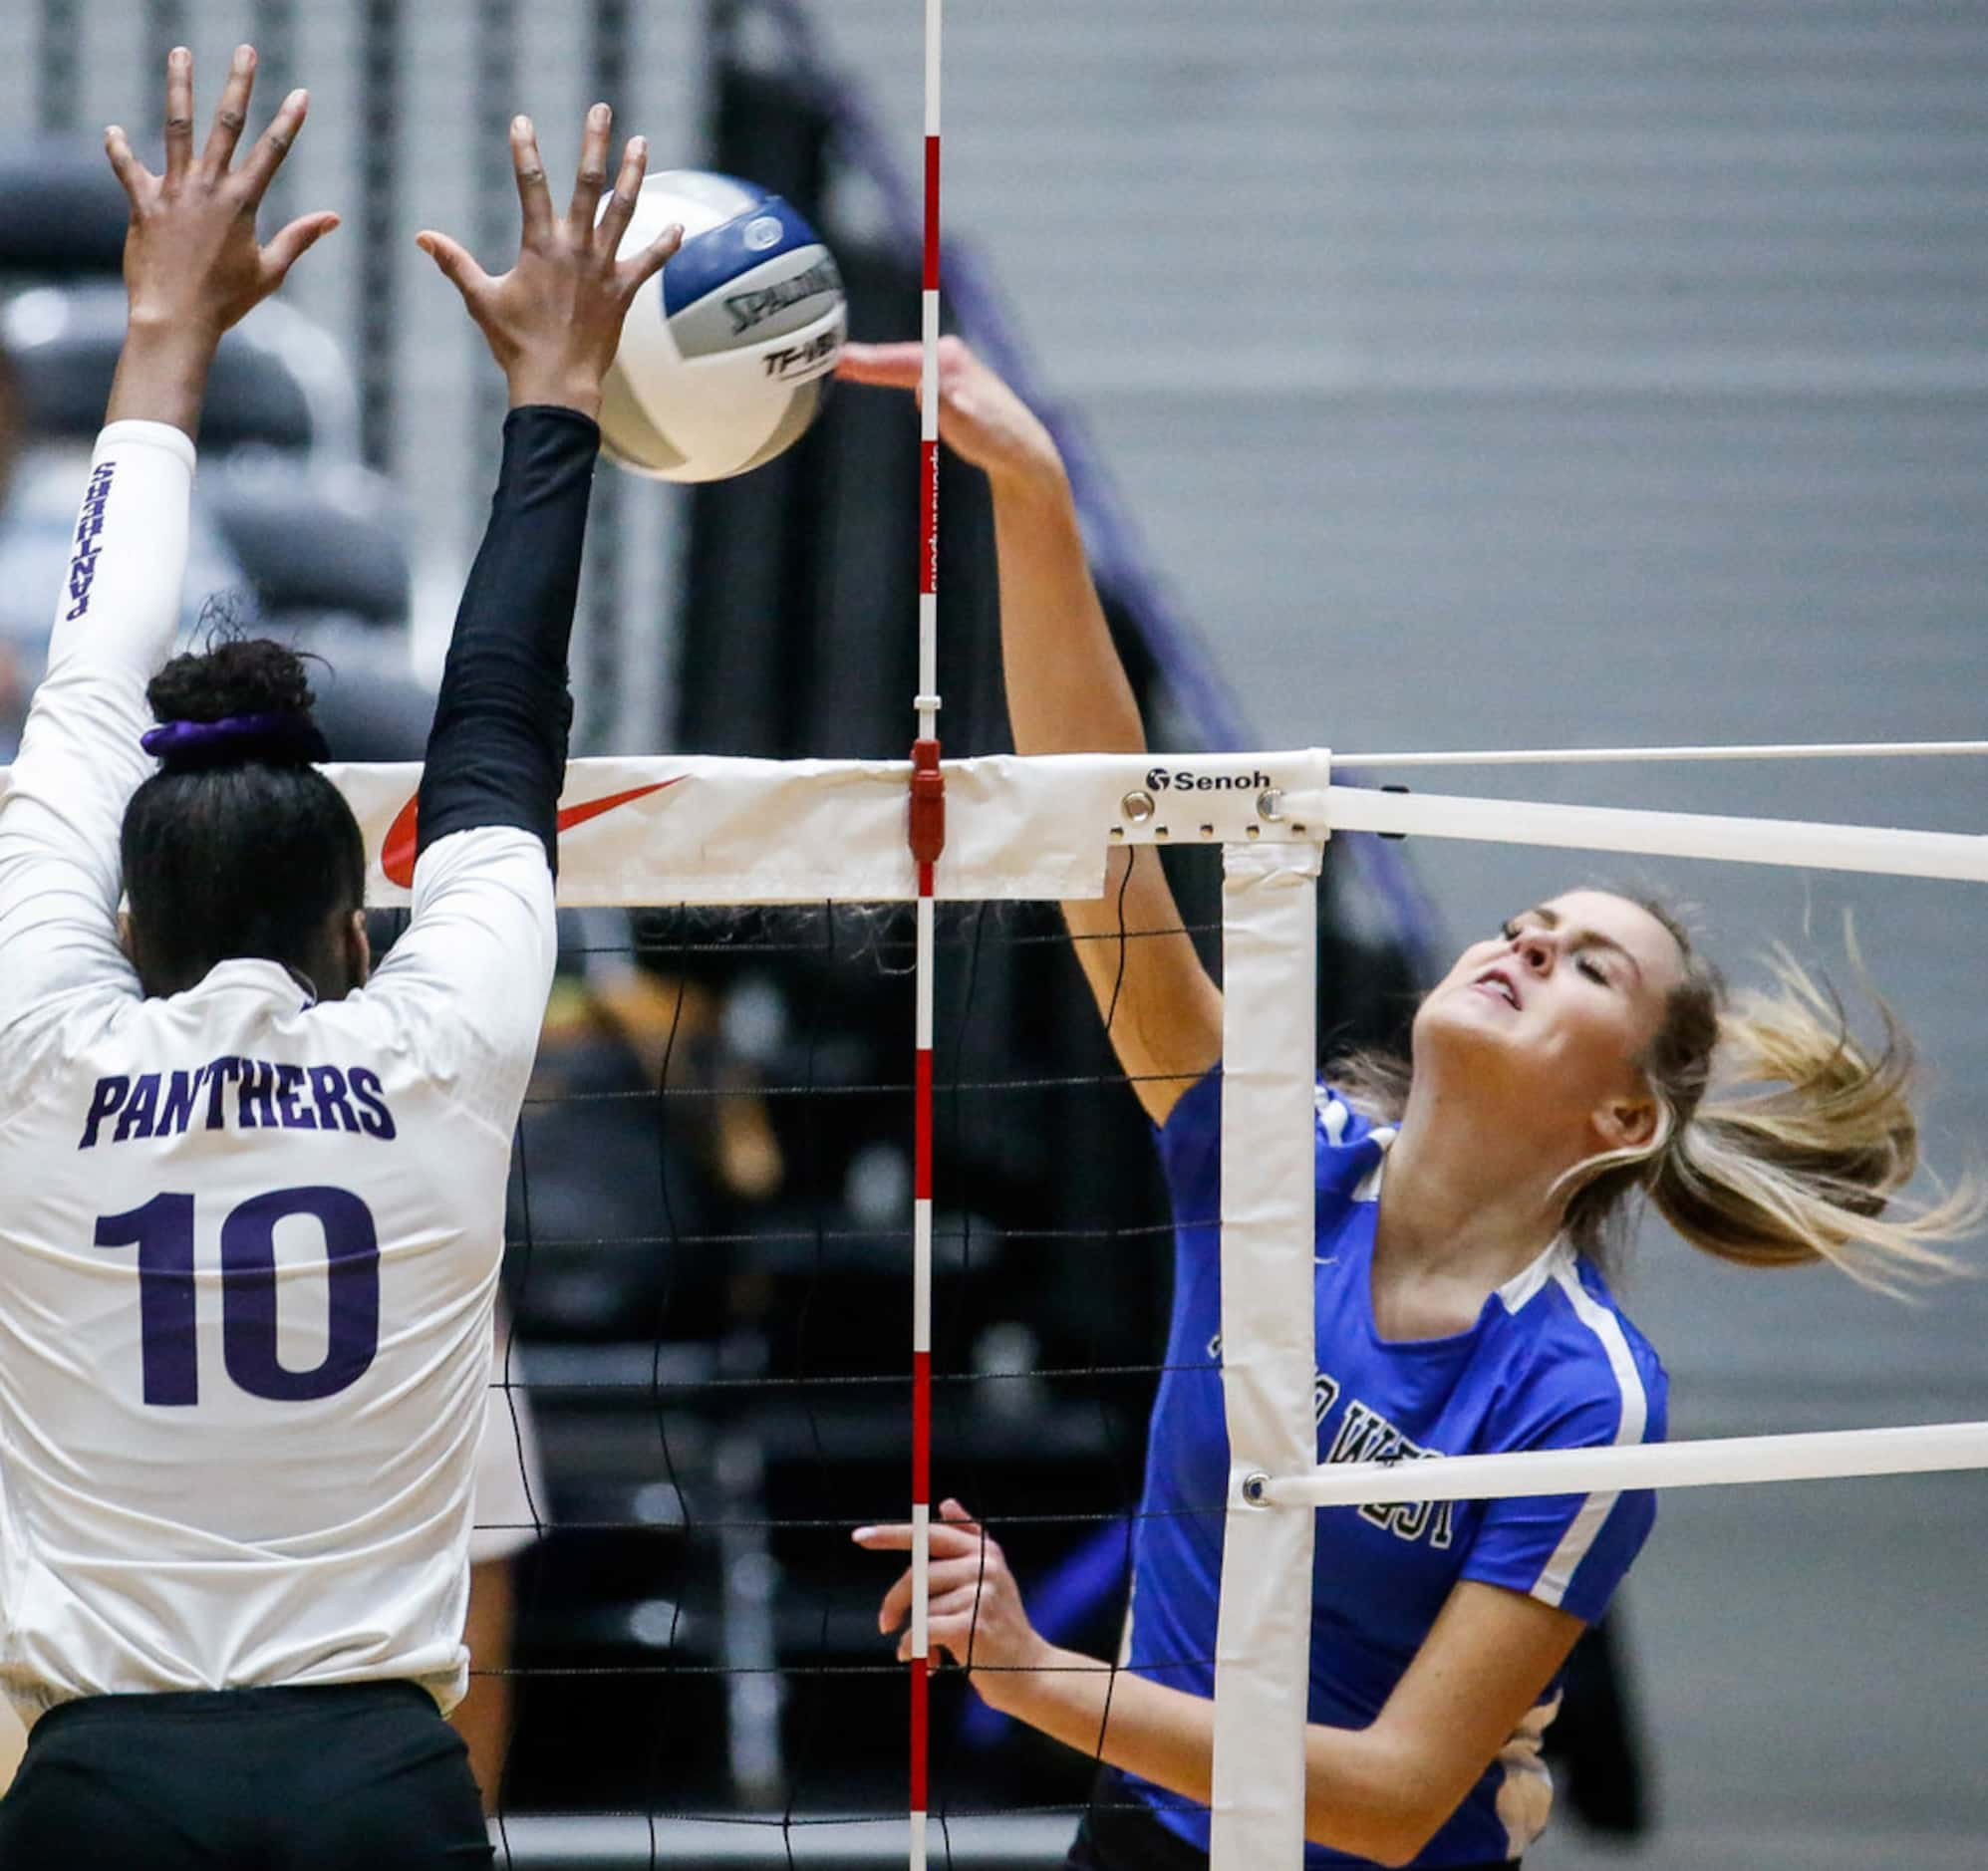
(1558, 1009)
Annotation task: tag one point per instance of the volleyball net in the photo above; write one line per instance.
(697, 832)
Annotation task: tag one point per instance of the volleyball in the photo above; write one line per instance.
(725, 352)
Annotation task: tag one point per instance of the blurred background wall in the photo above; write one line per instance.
(1570, 372)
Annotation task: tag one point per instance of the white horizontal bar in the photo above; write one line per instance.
(1922, 1448)
(1600, 756)
(1797, 841)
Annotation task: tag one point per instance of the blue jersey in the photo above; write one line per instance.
(1550, 1363)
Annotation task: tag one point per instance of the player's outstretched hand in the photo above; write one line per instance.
(554, 319)
(976, 1614)
(980, 418)
(193, 265)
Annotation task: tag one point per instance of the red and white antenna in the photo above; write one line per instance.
(927, 822)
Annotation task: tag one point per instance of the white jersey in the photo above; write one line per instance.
(249, 1242)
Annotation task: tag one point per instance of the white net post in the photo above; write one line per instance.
(1263, 1648)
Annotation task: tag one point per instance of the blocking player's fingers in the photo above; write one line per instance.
(621, 204)
(179, 113)
(231, 112)
(653, 257)
(292, 243)
(891, 367)
(457, 265)
(274, 144)
(592, 177)
(133, 175)
(529, 168)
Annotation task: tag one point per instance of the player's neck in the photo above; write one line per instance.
(1467, 1198)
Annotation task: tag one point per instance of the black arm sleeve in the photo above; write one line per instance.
(496, 754)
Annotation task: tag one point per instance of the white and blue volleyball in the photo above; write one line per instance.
(725, 354)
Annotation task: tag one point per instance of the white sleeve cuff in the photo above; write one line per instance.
(176, 442)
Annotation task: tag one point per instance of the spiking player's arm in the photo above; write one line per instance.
(192, 267)
(1067, 693)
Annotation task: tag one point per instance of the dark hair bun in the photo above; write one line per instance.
(254, 694)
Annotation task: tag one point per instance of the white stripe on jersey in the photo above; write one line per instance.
(1382, 1137)
(1552, 1585)
(1536, 1276)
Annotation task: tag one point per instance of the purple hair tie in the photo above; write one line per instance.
(237, 736)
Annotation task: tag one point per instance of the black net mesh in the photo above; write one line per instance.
(707, 1273)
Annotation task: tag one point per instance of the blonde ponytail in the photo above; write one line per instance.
(1800, 1142)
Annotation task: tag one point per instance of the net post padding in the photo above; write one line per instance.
(1263, 1648)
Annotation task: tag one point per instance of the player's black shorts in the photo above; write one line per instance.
(1120, 1833)
(362, 1775)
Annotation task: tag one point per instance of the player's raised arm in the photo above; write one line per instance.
(482, 944)
(192, 264)
(1067, 693)
(496, 754)
(193, 268)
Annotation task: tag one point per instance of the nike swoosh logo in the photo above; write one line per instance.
(398, 852)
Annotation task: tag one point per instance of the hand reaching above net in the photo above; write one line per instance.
(192, 264)
(554, 322)
(981, 418)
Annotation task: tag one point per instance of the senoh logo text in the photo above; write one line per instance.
(1162, 779)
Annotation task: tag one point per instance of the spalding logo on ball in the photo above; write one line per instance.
(723, 353)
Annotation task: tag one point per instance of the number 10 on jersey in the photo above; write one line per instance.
(163, 1232)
